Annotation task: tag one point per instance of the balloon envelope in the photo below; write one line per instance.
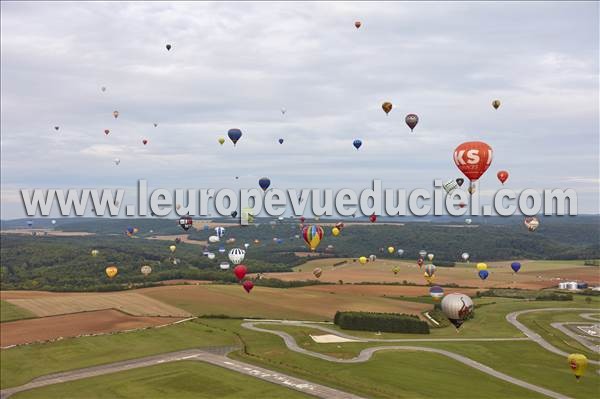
(481, 266)
(248, 285)
(436, 292)
(357, 143)
(578, 363)
(515, 266)
(312, 236)
(264, 183)
(473, 158)
(502, 176)
(317, 272)
(240, 271)
(483, 274)
(387, 107)
(111, 271)
(236, 256)
(457, 307)
(411, 120)
(362, 260)
(234, 135)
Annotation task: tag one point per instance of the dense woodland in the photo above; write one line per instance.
(65, 263)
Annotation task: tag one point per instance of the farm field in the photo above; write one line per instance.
(10, 312)
(533, 274)
(185, 379)
(52, 304)
(72, 325)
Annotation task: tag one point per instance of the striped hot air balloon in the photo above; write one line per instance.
(312, 235)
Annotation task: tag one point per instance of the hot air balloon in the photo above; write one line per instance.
(53, 221)
(117, 161)
(236, 256)
(146, 270)
(248, 285)
(430, 257)
(428, 278)
(240, 271)
(222, 249)
(357, 24)
(246, 245)
(502, 176)
(111, 271)
(95, 252)
(185, 222)
(357, 143)
(211, 255)
(144, 141)
(411, 120)
(363, 260)
(155, 124)
(223, 265)
(450, 186)
(234, 135)
(468, 221)
(515, 266)
(106, 131)
(400, 252)
(213, 239)
(335, 231)
(302, 219)
(177, 240)
(220, 231)
(429, 270)
(221, 140)
(578, 363)
(264, 183)
(532, 223)
(496, 104)
(387, 107)
(234, 214)
(280, 141)
(116, 114)
(172, 248)
(396, 270)
(473, 158)
(481, 266)
(312, 236)
(460, 181)
(168, 46)
(483, 274)
(465, 256)
(457, 308)
(436, 292)
(420, 262)
(317, 272)
(373, 218)
(103, 88)
(422, 253)
(283, 111)
(372, 258)
(391, 250)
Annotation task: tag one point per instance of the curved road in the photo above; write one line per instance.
(366, 354)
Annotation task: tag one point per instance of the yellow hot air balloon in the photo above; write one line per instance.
(111, 271)
(396, 270)
(481, 266)
(95, 252)
(221, 140)
(135, 230)
(428, 277)
(172, 248)
(578, 363)
(387, 107)
(362, 260)
(391, 250)
(335, 231)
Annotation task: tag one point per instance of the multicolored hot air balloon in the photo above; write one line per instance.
(387, 107)
(473, 158)
(578, 363)
(502, 176)
(234, 135)
(457, 308)
(429, 270)
(411, 120)
(436, 292)
(111, 271)
(185, 222)
(515, 266)
(312, 236)
(357, 143)
(532, 223)
(317, 272)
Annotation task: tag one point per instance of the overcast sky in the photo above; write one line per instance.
(238, 64)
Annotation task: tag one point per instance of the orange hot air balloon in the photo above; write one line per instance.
(111, 271)
(502, 176)
(387, 107)
(473, 158)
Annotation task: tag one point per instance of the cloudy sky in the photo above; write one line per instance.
(238, 64)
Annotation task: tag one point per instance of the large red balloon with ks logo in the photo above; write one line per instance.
(473, 158)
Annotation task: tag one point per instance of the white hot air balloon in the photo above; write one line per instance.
(468, 221)
(465, 256)
(211, 255)
(236, 255)
(430, 257)
(400, 252)
(457, 308)
(117, 161)
(224, 265)
(53, 221)
(146, 270)
(213, 239)
(246, 245)
(422, 253)
(372, 258)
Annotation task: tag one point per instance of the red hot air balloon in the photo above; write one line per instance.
(473, 158)
(502, 176)
(240, 271)
(248, 285)
(373, 218)
(145, 141)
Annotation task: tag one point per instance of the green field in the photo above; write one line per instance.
(10, 312)
(22, 364)
(185, 379)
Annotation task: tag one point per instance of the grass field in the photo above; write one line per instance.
(10, 312)
(51, 304)
(533, 274)
(185, 379)
(20, 365)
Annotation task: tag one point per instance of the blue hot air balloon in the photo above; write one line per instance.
(279, 241)
(357, 143)
(264, 183)
(483, 274)
(280, 141)
(516, 266)
(234, 135)
(30, 223)
(130, 230)
(222, 249)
